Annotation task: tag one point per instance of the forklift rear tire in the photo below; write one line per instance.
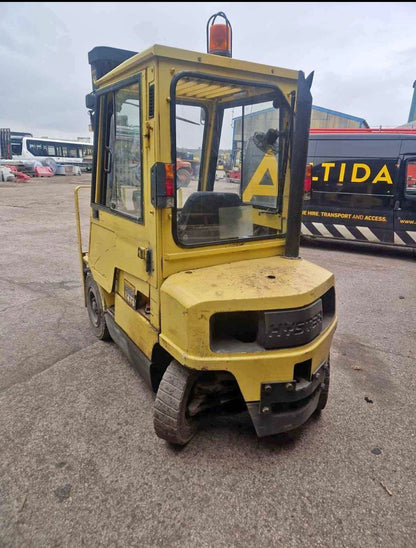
(95, 309)
(323, 397)
(171, 420)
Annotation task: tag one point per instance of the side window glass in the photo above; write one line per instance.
(124, 155)
(410, 186)
(189, 137)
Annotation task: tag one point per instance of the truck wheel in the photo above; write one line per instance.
(95, 309)
(170, 419)
(323, 397)
(183, 177)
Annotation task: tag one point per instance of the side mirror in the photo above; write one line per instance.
(91, 101)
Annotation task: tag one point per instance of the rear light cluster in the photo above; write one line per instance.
(162, 185)
(169, 179)
(308, 178)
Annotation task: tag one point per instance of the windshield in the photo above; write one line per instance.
(231, 157)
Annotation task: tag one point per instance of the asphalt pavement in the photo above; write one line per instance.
(80, 464)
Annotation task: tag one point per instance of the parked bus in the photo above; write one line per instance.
(25, 147)
(62, 151)
(360, 185)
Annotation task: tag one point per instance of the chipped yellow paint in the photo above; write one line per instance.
(248, 285)
(252, 369)
(136, 326)
(101, 255)
(198, 61)
(189, 299)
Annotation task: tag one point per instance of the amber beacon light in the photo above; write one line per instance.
(219, 36)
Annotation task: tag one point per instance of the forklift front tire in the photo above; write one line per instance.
(171, 420)
(95, 309)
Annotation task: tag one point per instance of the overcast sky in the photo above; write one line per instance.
(363, 53)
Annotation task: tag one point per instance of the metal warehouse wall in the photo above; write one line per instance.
(321, 118)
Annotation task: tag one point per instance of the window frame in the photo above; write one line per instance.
(411, 196)
(212, 77)
(102, 105)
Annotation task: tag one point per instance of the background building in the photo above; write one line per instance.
(326, 118)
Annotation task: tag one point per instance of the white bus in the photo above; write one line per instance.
(60, 151)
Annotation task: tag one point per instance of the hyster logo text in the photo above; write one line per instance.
(288, 329)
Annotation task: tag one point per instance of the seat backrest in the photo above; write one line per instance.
(203, 207)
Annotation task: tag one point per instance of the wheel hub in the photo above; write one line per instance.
(94, 311)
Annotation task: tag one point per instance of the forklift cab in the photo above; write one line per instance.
(202, 285)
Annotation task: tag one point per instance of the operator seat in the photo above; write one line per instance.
(202, 208)
(201, 211)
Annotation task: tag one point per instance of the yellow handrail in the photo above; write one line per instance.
(78, 223)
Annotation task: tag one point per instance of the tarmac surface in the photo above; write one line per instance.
(80, 464)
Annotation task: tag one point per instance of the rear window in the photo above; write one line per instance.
(356, 148)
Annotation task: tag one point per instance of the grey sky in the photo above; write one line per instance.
(363, 53)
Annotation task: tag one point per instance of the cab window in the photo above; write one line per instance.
(230, 163)
(122, 183)
(410, 184)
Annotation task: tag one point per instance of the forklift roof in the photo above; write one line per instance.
(123, 61)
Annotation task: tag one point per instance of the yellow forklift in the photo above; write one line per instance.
(202, 285)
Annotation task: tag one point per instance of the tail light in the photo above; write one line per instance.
(162, 185)
(308, 178)
(169, 179)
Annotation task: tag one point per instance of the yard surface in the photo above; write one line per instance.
(80, 464)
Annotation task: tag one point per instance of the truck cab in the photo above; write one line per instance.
(201, 284)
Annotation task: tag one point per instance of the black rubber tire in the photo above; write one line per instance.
(323, 396)
(183, 177)
(170, 418)
(95, 309)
